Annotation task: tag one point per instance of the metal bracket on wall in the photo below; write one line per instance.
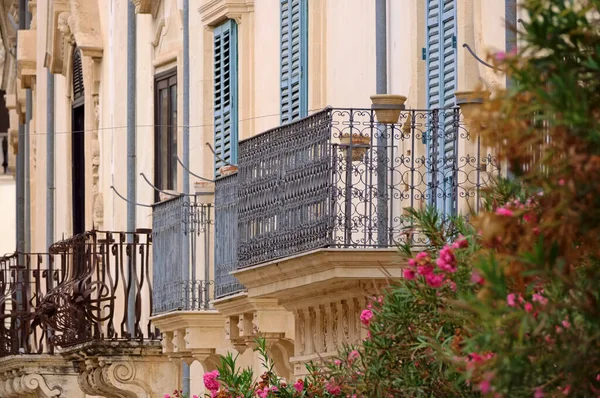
(465, 45)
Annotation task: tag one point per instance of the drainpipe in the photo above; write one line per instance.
(381, 86)
(510, 34)
(131, 151)
(186, 161)
(27, 164)
(50, 166)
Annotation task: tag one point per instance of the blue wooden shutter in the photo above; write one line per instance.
(294, 60)
(441, 86)
(226, 93)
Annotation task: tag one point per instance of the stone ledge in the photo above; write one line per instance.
(319, 269)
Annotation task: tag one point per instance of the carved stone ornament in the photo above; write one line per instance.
(146, 6)
(123, 369)
(212, 12)
(41, 375)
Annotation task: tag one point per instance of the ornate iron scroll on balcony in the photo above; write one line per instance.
(25, 280)
(340, 179)
(103, 270)
(181, 219)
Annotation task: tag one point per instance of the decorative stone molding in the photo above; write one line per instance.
(212, 12)
(250, 318)
(43, 376)
(33, 10)
(325, 291)
(123, 369)
(71, 22)
(26, 57)
(146, 6)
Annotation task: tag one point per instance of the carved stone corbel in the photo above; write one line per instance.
(146, 6)
(132, 370)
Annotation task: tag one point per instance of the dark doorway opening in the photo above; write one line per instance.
(78, 147)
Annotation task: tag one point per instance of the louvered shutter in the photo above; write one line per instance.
(78, 89)
(225, 85)
(294, 59)
(441, 86)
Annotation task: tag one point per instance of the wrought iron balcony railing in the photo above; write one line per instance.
(25, 279)
(106, 293)
(339, 179)
(226, 236)
(181, 230)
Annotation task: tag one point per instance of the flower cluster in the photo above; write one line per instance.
(446, 263)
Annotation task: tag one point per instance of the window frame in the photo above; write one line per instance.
(165, 80)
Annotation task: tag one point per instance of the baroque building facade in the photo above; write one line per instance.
(301, 177)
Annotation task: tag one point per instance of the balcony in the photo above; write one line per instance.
(338, 179)
(29, 364)
(181, 229)
(311, 221)
(99, 314)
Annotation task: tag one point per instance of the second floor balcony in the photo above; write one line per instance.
(339, 179)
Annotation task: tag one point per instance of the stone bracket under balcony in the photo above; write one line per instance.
(249, 318)
(123, 369)
(325, 291)
(26, 57)
(41, 375)
(192, 335)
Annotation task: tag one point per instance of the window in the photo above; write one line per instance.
(165, 135)
(294, 60)
(441, 86)
(226, 89)
(78, 145)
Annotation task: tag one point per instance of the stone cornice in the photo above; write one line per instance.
(212, 12)
(188, 319)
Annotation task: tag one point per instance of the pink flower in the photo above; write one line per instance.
(485, 386)
(510, 300)
(408, 274)
(539, 393)
(263, 393)
(477, 278)
(558, 329)
(452, 285)
(210, 380)
(528, 307)
(446, 261)
(561, 182)
(566, 324)
(337, 362)
(566, 390)
(412, 262)
(333, 388)
(352, 356)
(365, 317)
(299, 385)
(422, 256)
(461, 243)
(598, 377)
(167, 396)
(424, 269)
(434, 280)
(539, 299)
(195, 396)
(501, 211)
(500, 56)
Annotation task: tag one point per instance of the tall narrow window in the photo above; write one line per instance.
(78, 146)
(294, 60)
(441, 86)
(226, 93)
(165, 136)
